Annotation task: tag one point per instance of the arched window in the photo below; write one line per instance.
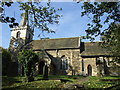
(18, 34)
(64, 63)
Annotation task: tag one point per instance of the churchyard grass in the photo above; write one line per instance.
(102, 82)
(55, 82)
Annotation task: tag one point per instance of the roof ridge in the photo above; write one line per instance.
(93, 42)
(57, 38)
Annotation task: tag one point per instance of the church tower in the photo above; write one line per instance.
(20, 37)
(22, 32)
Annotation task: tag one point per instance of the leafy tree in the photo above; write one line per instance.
(110, 11)
(39, 16)
(3, 17)
(6, 59)
(27, 59)
(112, 40)
(96, 10)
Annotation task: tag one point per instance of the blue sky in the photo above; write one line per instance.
(71, 24)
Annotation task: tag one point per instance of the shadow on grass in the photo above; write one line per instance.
(25, 88)
(33, 88)
(6, 81)
(115, 87)
(116, 76)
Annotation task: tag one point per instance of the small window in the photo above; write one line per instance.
(18, 34)
(29, 36)
(108, 60)
(82, 65)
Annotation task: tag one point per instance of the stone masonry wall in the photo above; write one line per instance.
(92, 62)
(75, 62)
(73, 56)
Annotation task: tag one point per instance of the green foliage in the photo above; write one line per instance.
(3, 17)
(6, 59)
(110, 11)
(111, 39)
(5, 55)
(96, 10)
(41, 16)
(27, 59)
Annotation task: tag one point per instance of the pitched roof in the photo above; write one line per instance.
(86, 48)
(93, 48)
(60, 43)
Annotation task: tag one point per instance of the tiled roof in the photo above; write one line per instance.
(86, 48)
(93, 48)
(60, 43)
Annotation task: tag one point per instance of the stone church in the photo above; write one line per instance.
(64, 56)
(70, 56)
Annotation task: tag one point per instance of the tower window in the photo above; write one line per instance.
(18, 34)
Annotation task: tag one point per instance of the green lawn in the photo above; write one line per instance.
(19, 82)
(54, 82)
(102, 82)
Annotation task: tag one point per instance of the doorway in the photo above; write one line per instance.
(40, 67)
(89, 68)
(52, 69)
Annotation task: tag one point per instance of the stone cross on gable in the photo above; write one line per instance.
(24, 21)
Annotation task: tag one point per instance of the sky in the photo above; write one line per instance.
(70, 25)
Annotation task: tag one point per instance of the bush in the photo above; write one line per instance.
(6, 60)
